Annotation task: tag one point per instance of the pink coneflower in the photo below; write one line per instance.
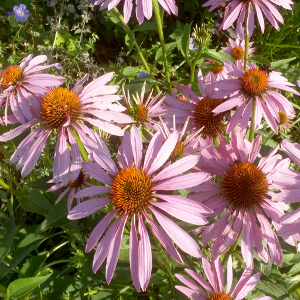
(198, 109)
(218, 70)
(143, 113)
(236, 48)
(285, 123)
(236, 10)
(253, 85)
(63, 111)
(73, 187)
(20, 86)
(143, 8)
(134, 193)
(185, 145)
(241, 196)
(212, 288)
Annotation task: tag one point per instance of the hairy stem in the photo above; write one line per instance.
(251, 134)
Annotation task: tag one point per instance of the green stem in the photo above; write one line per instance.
(193, 67)
(162, 43)
(5, 186)
(231, 250)
(246, 40)
(251, 134)
(81, 147)
(137, 47)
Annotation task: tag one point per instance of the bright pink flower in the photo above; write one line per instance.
(241, 196)
(213, 286)
(134, 192)
(22, 85)
(143, 8)
(237, 50)
(142, 113)
(73, 187)
(236, 10)
(198, 109)
(253, 85)
(64, 111)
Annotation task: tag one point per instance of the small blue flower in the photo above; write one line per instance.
(142, 74)
(21, 13)
(192, 45)
(10, 13)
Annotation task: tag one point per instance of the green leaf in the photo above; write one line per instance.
(35, 202)
(279, 63)
(57, 216)
(131, 71)
(260, 59)
(169, 48)
(21, 287)
(185, 40)
(217, 56)
(62, 36)
(124, 250)
(33, 265)
(129, 40)
(7, 234)
(145, 26)
(28, 244)
(294, 270)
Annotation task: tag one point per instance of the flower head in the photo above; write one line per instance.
(142, 75)
(237, 50)
(73, 187)
(213, 287)
(21, 13)
(218, 70)
(143, 112)
(65, 112)
(22, 85)
(137, 193)
(236, 10)
(198, 109)
(285, 122)
(143, 8)
(242, 196)
(249, 86)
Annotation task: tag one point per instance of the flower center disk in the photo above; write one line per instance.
(139, 113)
(131, 190)
(58, 106)
(78, 181)
(283, 119)
(237, 53)
(177, 152)
(245, 185)
(254, 82)
(10, 76)
(213, 124)
(220, 296)
(218, 69)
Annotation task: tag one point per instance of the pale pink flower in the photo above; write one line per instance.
(241, 197)
(199, 110)
(236, 10)
(213, 286)
(143, 8)
(236, 48)
(64, 111)
(21, 85)
(143, 112)
(218, 71)
(251, 85)
(73, 187)
(135, 194)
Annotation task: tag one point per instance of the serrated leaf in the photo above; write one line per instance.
(277, 64)
(21, 287)
(7, 234)
(217, 56)
(131, 71)
(35, 202)
(260, 59)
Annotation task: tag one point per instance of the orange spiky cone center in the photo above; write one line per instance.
(10, 76)
(78, 181)
(237, 53)
(204, 117)
(220, 296)
(254, 82)
(131, 190)
(58, 105)
(218, 69)
(245, 185)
